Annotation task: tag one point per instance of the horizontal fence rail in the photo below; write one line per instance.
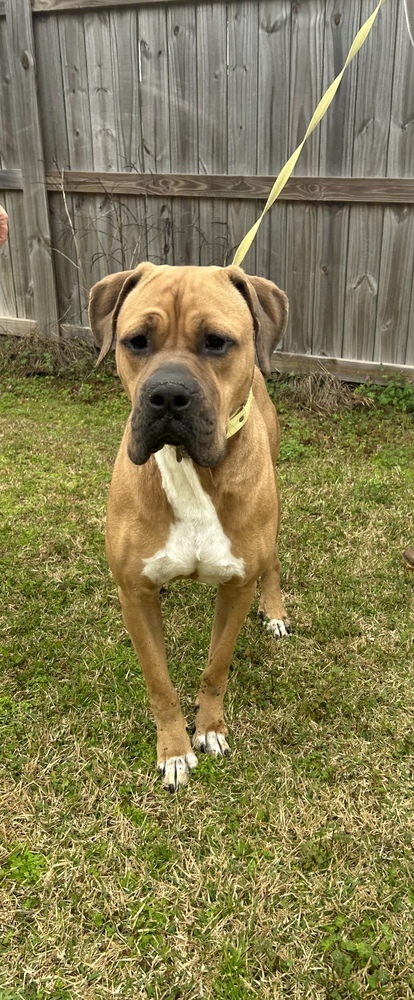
(56, 6)
(370, 190)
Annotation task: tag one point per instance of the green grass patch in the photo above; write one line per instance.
(284, 871)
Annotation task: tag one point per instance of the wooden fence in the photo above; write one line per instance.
(133, 131)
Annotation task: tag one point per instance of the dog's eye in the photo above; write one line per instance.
(214, 344)
(137, 344)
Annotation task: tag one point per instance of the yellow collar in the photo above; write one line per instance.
(238, 419)
(236, 422)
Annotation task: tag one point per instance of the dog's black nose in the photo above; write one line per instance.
(169, 397)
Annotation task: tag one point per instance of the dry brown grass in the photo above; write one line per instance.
(322, 393)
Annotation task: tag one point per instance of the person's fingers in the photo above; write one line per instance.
(4, 229)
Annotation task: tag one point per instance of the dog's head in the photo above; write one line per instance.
(185, 350)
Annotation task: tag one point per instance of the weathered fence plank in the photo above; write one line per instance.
(154, 93)
(409, 355)
(99, 68)
(16, 290)
(127, 57)
(51, 92)
(335, 156)
(369, 190)
(10, 326)
(9, 156)
(331, 252)
(305, 92)
(182, 80)
(76, 90)
(242, 114)
(401, 147)
(26, 116)
(12, 179)
(126, 60)
(394, 325)
(274, 38)
(57, 5)
(394, 294)
(349, 370)
(306, 79)
(8, 159)
(56, 152)
(182, 88)
(101, 90)
(212, 126)
(337, 128)
(372, 119)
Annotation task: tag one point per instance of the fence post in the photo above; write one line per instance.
(36, 210)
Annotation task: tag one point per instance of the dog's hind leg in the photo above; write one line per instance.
(271, 607)
(232, 605)
(142, 617)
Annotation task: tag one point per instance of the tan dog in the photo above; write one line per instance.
(194, 490)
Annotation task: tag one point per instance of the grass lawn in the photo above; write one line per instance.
(285, 871)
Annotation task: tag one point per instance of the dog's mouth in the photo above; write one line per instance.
(173, 410)
(197, 441)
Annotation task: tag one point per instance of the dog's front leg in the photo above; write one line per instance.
(271, 607)
(232, 605)
(142, 616)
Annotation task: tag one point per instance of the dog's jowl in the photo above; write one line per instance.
(194, 491)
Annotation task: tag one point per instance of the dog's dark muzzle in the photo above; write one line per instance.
(172, 409)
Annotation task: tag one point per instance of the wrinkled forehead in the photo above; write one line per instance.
(193, 297)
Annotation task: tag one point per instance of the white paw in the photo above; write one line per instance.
(277, 626)
(213, 743)
(176, 771)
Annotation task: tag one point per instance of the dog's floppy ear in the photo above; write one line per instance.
(269, 307)
(273, 317)
(105, 300)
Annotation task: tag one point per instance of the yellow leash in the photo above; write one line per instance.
(317, 115)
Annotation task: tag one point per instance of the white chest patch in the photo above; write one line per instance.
(196, 542)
